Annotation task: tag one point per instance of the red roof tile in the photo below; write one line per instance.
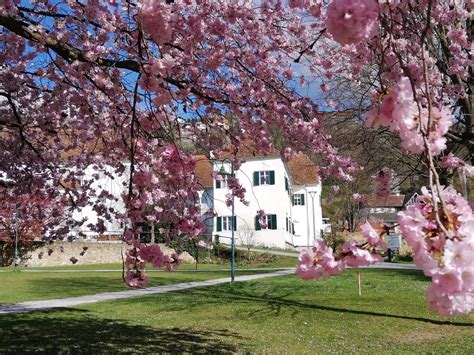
(303, 171)
(203, 170)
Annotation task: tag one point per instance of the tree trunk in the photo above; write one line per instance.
(152, 234)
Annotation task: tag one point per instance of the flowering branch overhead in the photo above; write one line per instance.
(120, 88)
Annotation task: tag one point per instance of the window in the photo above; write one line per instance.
(298, 199)
(269, 219)
(287, 188)
(225, 223)
(222, 184)
(266, 177)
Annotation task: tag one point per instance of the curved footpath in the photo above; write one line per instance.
(109, 296)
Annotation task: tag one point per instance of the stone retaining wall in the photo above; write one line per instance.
(96, 253)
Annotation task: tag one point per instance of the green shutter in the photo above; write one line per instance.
(219, 224)
(302, 199)
(256, 178)
(274, 221)
(234, 223)
(286, 183)
(272, 177)
(293, 199)
(287, 224)
(257, 224)
(218, 184)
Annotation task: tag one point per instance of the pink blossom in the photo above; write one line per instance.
(352, 21)
(318, 262)
(450, 161)
(355, 256)
(136, 279)
(372, 236)
(447, 258)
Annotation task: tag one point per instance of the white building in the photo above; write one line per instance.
(290, 195)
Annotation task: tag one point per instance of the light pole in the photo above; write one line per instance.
(312, 194)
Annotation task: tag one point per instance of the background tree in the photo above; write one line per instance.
(247, 238)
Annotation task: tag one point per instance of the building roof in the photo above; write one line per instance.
(302, 170)
(203, 171)
(386, 201)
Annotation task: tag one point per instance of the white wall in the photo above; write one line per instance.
(206, 198)
(273, 199)
(115, 187)
(305, 232)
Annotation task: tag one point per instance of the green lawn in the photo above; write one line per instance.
(28, 286)
(281, 314)
(282, 262)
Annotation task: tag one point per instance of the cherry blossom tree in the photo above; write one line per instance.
(108, 83)
(26, 218)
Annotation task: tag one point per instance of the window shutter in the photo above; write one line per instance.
(286, 183)
(219, 224)
(293, 228)
(218, 184)
(272, 177)
(287, 224)
(302, 199)
(274, 221)
(256, 178)
(234, 223)
(257, 224)
(293, 200)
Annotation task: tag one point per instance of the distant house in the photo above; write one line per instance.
(289, 193)
(385, 209)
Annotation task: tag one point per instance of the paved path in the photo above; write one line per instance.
(109, 296)
(148, 270)
(384, 265)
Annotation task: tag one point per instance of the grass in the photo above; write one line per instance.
(28, 286)
(282, 262)
(276, 315)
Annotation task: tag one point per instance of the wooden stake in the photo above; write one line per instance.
(358, 283)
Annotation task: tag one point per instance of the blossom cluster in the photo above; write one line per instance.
(401, 114)
(138, 255)
(321, 262)
(450, 161)
(446, 254)
(351, 21)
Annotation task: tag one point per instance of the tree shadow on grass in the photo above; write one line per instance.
(77, 331)
(276, 305)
